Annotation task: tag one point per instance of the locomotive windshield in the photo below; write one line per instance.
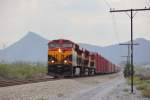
(54, 45)
(67, 45)
(58, 45)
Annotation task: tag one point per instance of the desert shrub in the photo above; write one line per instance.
(146, 93)
(142, 80)
(143, 85)
(143, 72)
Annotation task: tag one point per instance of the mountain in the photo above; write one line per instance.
(142, 51)
(90, 47)
(33, 48)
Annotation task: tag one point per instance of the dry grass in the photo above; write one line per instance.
(146, 93)
(20, 70)
(142, 84)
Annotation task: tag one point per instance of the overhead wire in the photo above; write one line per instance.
(114, 22)
(146, 22)
(147, 5)
(107, 3)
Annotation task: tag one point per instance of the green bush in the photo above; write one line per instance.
(127, 70)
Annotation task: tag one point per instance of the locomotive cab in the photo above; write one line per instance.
(60, 57)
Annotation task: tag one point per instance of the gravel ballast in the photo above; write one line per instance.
(106, 87)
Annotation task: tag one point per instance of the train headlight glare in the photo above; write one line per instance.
(59, 50)
(52, 61)
(65, 61)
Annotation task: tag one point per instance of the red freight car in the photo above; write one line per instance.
(103, 66)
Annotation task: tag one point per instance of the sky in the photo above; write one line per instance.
(82, 21)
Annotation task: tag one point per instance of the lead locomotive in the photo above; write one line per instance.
(66, 58)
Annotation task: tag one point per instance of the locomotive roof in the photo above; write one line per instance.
(61, 41)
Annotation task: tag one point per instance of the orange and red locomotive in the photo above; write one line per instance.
(66, 58)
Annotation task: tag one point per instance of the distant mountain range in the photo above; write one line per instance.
(33, 48)
(115, 52)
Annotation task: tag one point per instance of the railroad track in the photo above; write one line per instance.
(5, 83)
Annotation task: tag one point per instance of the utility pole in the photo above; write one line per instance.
(131, 18)
(128, 56)
(127, 59)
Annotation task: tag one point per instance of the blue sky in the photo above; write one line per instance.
(86, 21)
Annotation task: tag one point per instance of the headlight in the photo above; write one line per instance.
(65, 61)
(59, 50)
(52, 61)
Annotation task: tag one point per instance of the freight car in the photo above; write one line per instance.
(66, 58)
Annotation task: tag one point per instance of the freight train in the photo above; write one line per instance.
(66, 58)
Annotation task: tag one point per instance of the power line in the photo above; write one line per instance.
(147, 23)
(107, 3)
(147, 3)
(115, 28)
(113, 22)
